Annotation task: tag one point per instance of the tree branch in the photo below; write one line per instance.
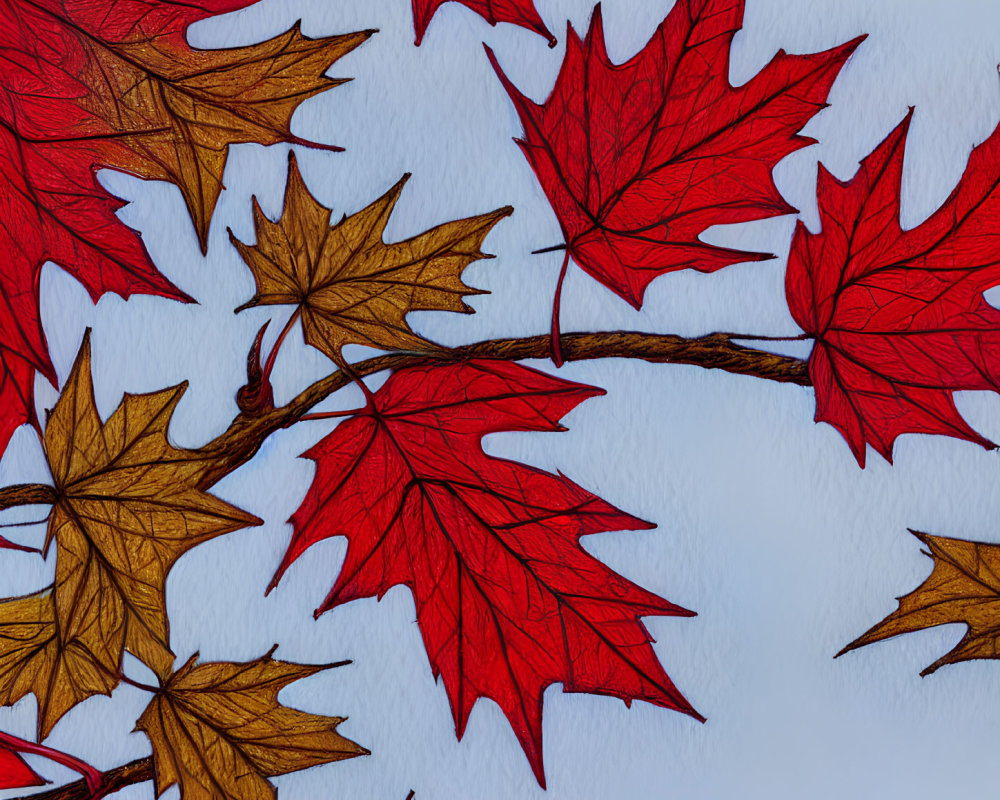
(244, 437)
(114, 780)
(247, 432)
(26, 494)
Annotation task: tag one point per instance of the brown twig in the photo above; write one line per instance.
(246, 434)
(112, 781)
(26, 494)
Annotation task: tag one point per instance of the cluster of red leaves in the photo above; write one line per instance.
(639, 159)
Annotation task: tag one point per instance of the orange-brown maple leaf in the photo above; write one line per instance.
(218, 730)
(87, 85)
(963, 588)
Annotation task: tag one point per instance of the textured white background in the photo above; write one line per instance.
(767, 527)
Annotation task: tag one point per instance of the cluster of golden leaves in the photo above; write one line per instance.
(127, 508)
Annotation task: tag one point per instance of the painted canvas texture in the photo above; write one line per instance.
(609, 390)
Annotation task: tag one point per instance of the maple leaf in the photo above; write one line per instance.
(127, 78)
(507, 600)
(127, 508)
(350, 286)
(964, 587)
(518, 12)
(898, 316)
(17, 378)
(34, 659)
(15, 772)
(218, 730)
(87, 85)
(639, 159)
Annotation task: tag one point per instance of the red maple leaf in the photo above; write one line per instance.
(17, 378)
(507, 600)
(15, 773)
(87, 85)
(899, 317)
(52, 209)
(638, 159)
(518, 12)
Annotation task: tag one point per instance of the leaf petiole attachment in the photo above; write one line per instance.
(273, 355)
(556, 347)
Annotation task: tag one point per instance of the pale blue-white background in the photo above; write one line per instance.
(766, 526)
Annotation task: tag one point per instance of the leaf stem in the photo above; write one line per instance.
(273, 355)
(121, 677)
(24, 524)
(553, 249)
(331, 414)
(92, 777)
(358, 379)
(138, 684)
(556, 350)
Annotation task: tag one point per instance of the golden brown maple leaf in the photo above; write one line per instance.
(218, 730)
(127, 509)
(352, 287)
(176, 109)
(245, 94)
(964, 587)
(33, 660)
(121, 81)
